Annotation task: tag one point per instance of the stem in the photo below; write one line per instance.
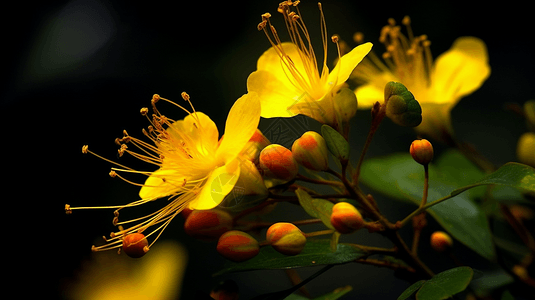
(400, 224)
(383, 263)
(376, 121)
(318, 181)
(418, 221)
(318, 233)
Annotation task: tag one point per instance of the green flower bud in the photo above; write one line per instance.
(208, 224)
(286, 238)
(311, 151)
(237, 246)
(401, 107)
(345, 106)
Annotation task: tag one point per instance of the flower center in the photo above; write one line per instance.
(407, 57)
(303, 71)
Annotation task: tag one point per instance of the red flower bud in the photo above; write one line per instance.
(441, 241)
(345, 218)
(277, 162)
(135, 245)
(208, 224)
(286, 238)
(237, 246)
(422, 151)
(254, 146)
(310, 151)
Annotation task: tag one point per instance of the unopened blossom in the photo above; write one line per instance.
(437, 86)
(195, 169)
(289, 81)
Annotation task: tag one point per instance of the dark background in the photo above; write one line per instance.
(77, 72)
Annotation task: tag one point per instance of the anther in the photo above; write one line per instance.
(406, 20)
(125, 133)
(185, 96)
(144, 111)
(391, 22)
(84, 149)
(115, 221)
(68, 209)
(266, 16)
(155, 98)
(94, 249)
(113, 174)
(334, 38)
(358, 37)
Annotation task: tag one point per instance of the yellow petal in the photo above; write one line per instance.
(196, 130)
(161, 183)
(347, 64)
(373, 91)
(241, 124)
(270, 61)
(460, 70)
(219, 184)
(274, 95)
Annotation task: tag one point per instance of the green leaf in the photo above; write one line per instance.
(315, 253)
(511, 174)
(400, 177)
(411, 290)
(446, 284)
(336, 143)
(317, 208)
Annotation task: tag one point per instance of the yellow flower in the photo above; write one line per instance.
(108, 277)
(288, 79)
(437, 86)
(196, 169)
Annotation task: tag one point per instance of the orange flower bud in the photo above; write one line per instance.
(252, 149)
(208, 224)
(135, 245)
(237, 246)
(277, 162)
(286, 238)
(441, 241)
(345, 218)
(310, 151)
(422, 151)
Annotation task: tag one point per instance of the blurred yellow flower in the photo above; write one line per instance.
(196, 169)
(108, 277)
(288, 79)
(525, 149)
(437, 86)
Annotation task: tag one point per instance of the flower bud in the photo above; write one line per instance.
(135, 245)
(421, 151)
(277, 162)
(345, 218)
(401, 107)
(441, 241)
(237, 246)
(525, 149)
(286, 238)
(310, 151)
(248, 191)
(225, 290)
(252, 149)
(346, 104)
(208, 224)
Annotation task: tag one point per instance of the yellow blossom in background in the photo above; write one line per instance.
(288, 79)
(196, 169)
(437, 86)
(109, 277)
